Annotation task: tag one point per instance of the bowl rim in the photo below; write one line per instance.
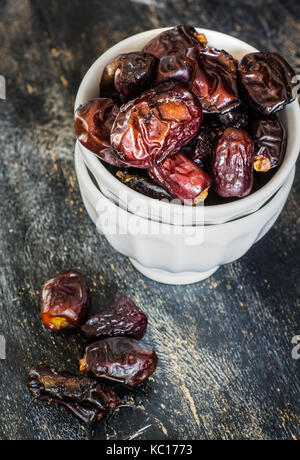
(213, 213)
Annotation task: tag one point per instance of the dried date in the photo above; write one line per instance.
(93, 122)
(143, 184)
(236, 118)
(175, 41)
(122, 318)
(156, 124)
(107, 83)
(266, 80)
(129, 74)
(182, 178)
(214, 79)
(200, 150)
(85, 398)
(174, 67)
(64, 302)
(135, 74)
(232, 164)
(119, 359)
(269, 136)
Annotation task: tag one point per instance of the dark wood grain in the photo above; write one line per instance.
(224, 345)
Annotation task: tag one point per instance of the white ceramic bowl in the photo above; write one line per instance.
(170, 213)
(176, 254)
(148, 232)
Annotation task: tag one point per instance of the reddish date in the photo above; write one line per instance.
(266, 80)
(64, 302)
(214, 79)
(182, 178)
(119, 359)
(129, 74)
(123, 317)
(269, 136)
(85, 398)
(156, 124)
(232, 164)
(175, 41)
(93, 122)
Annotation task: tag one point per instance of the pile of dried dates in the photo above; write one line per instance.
(181, 117)
(115, 352)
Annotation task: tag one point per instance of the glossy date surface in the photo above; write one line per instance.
(143, 184)
(156, 124)
(129, 75)
(232, 164)
(85, 398)
(270, 139)
(200, 150)
(174, 41)
(122, 318)
(266, 80)
(93, 122)
(64, 301)
(236, 118)
(214, 79)
(182, 178)
(174, 67)
(119, 359)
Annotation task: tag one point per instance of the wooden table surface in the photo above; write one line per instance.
(226, 369)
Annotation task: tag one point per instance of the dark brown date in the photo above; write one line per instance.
(135, 74)
(85, 398)
(143, 184)
(129, 74)
(107, 83)
(269, 136)
(214, 79)
(93, 122)
(266, 80)
(174, 67)
(182, 178)
(236, 118)
(175, 41)
(119, 359)
(122, 318)
(200, 150)
(232, 164)
(64, 302)
(156, 124)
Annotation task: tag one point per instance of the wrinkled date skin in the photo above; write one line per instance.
(93, 122)
(232, 164)
(175, 41)
(143, 184)
(119, 359)
(129, 75)
(135, 74)
(174, 67)
(214, 79)
(266, 80)
(269, 136)
(85, 398)
(182, 178)
(156, 124)
(123, 317)
(201, 148)
(64, 302)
